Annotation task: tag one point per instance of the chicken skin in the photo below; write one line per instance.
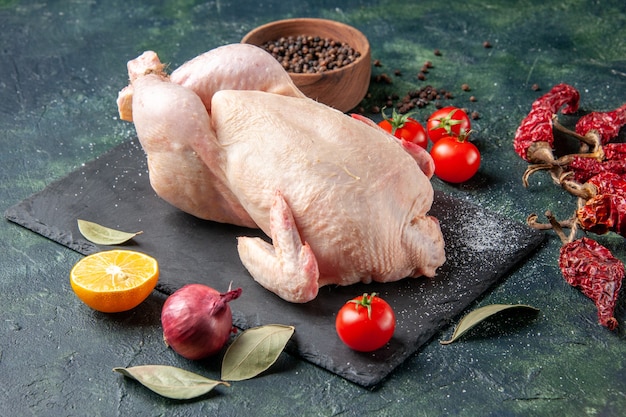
(230, 138)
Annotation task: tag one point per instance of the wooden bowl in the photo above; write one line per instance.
(341, 88)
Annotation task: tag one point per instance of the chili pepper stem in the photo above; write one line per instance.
(541, 158)
(567, 159)
(592, 140)
(540, 153)
(582, 191)
(554, 170)
(558, 229)
(532, 221)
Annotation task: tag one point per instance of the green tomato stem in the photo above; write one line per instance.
(397, 120)
(447, 122)
(365, 301)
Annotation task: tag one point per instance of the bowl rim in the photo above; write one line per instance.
(362, 56)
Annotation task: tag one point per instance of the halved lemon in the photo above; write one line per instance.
(115, 280)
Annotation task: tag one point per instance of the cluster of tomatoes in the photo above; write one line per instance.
(456, 159)
(367, 323)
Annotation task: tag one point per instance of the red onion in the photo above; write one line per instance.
(197, 320)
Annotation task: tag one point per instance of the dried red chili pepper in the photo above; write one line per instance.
(602, 183)
(591, 267)
(534, 138)
(614, 151)
(604, 213)
(604, 197)
(601, 127)
(604, 124)
(583, 168)
(560, 95)
(608, 183)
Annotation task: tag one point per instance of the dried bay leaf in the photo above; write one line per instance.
(477, 316)
(254, 351)
(171, 382)
(102, 235)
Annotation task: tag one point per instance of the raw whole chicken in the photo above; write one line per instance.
(230, 138)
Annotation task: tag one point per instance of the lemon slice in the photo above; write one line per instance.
(115, 280)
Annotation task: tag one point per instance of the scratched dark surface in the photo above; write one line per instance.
(61, 68)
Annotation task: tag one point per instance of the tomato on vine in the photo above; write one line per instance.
(403, 126)
(448, 121)
(365, 323)
(456, 159)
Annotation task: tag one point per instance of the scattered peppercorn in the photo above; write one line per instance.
(486, 44)
(413, 99)
(419, 98)
(535, 87)
(383, 78)
(310, 54)
(397, 73)
(437, 52)
(475, 115)
(472, 99)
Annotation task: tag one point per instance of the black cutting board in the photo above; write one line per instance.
(114, 191)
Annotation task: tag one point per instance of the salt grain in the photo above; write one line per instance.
(490, 235)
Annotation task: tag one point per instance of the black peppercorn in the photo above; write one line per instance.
(300, 54)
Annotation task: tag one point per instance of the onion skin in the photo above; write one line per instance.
(197, 320)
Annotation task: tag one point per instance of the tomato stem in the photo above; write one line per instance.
(463, 135)
(397, 120)
(447, 122)
(364, 301)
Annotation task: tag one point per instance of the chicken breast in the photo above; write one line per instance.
(342, 200)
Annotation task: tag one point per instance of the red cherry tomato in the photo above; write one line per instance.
(456, 159)
(366, 323)
(404, 127)
(448, 121)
